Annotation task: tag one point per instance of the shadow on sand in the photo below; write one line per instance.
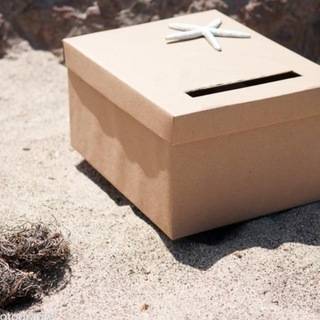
(201, 251)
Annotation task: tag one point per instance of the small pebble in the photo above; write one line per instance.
(238, 254)
(144, 307)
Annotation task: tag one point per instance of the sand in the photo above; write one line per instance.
(123, 266)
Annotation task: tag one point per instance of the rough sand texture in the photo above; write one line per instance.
(268, 268)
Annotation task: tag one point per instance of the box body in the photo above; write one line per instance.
(192, 187)
(191, 171)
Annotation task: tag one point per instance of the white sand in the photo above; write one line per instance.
(268, 268)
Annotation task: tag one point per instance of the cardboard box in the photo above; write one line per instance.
(196, 138)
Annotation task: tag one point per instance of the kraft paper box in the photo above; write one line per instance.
(194, 137)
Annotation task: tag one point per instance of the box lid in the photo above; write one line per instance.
(150, 79)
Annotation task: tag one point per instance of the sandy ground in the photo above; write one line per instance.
(267, 268)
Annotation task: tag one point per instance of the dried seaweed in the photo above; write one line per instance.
(16, 284)
(33, 261)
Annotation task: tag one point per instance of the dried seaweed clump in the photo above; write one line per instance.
(33, 261)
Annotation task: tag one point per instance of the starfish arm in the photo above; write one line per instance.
(185, 35)
(182, 26)
(211, 39)
(229, 33)
(215, 24)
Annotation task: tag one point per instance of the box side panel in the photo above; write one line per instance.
(241, 176)
(133, 158)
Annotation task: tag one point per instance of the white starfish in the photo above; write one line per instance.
(191, 31)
